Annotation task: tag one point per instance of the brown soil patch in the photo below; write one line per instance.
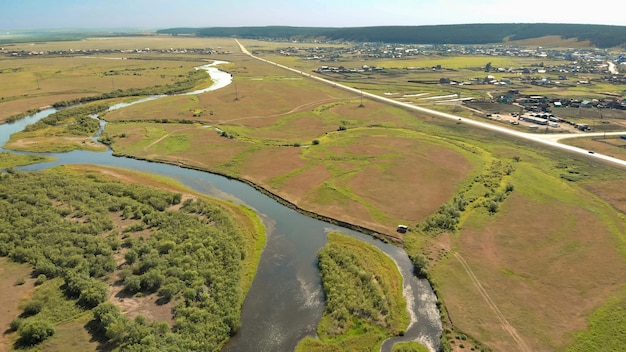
(545, 296)
(609, 192)
(11, 295)
(147, 306)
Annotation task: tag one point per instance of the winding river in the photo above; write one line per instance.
(286, 299)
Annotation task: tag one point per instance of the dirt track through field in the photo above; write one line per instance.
(294, 110)
(505, 324)
(162, 138)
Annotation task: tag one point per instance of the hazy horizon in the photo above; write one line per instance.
(159, 14)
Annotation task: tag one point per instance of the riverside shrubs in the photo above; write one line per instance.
(63, 225)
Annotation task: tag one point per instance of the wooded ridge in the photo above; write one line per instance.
(601, 36)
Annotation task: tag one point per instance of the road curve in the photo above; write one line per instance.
(550, 140)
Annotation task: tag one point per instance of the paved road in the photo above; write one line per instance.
(550, 140)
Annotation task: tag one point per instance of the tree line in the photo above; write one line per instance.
(601, 36)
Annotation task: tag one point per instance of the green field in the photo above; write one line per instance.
(8, 160)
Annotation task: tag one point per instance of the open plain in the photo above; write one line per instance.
(536, 257)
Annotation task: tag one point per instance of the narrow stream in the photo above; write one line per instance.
(286, 299)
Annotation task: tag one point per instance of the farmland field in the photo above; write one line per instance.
(535, 256)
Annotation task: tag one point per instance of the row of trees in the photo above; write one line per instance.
(603, 36)
(75, 121)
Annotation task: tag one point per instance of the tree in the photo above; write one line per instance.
(93, 295)
(33, 307)
(488, 67)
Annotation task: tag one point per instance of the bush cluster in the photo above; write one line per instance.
(62, 225)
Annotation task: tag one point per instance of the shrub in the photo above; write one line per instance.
(493, 207)
(33, 307)
(41, 278)
(34, 332)
(16, 324)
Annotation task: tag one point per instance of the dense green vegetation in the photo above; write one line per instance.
(409, 347)
(75, 121)
(364, 302)
(22, 115)
(65, 226)
(602, 36)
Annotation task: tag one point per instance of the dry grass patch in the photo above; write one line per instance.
(51, 143)
(137, 42)
(607, 191)
(613, 146)
(10, 108)
(546, 295)
(393, 176)
(298, 187)
(259, 103)
(149, 305)
(264, 165)
(12, 294)
(192, 145)
(36, 82)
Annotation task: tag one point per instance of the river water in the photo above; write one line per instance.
(286, 299)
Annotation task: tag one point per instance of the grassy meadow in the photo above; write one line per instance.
(525, 245)
(8, 160)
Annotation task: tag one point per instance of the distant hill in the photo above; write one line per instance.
(601, 36)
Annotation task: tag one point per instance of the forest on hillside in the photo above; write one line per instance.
(601, 36)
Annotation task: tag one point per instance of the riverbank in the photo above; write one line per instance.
(383, 237)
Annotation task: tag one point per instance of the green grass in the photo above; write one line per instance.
(8, 160)
(409, 347)
(606, 328)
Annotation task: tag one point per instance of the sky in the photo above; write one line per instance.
(156, 14)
